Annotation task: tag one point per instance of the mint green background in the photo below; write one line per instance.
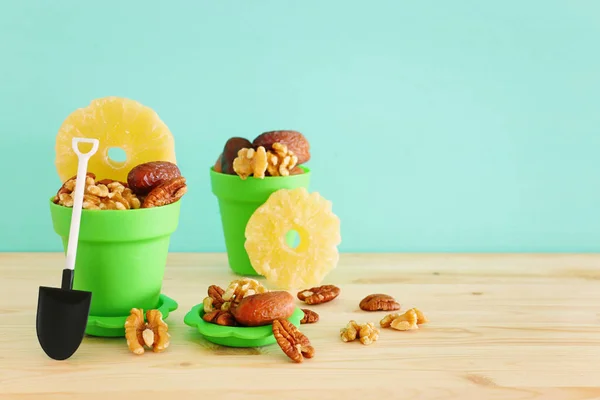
(435, 125)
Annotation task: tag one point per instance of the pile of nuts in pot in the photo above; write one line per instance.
(152, 184)
(273, 153)
(247, 303)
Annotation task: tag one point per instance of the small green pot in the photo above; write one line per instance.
(121, 255)
(238, 199)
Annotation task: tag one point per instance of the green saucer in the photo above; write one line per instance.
(115, 326)
(230, 336)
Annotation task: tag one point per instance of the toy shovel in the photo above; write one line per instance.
(62, 313)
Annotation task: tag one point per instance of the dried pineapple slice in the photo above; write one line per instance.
(318, 229)
(115, 122)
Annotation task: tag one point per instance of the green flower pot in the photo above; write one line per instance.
(121, 256)
(238, 199)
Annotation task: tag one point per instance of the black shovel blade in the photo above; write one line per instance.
(62, 316)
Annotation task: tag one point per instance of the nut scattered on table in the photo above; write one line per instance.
(379, 302)
(365, 333)
(293, 342)
(407, 321)
(152, 333)
(319, 295)
(310, 317)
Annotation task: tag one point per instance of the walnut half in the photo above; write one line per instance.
(251, 162)
(152, 333)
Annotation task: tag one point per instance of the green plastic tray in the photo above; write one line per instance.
(256, 336)
(115, 326)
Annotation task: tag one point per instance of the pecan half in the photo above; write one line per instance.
(215, 292)
(310, 317)
(293, 342)
(145, 177)
(166, 193)
(379, 302)
(220, 317)
(319, 295)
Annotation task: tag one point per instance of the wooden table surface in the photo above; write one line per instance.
(501, 327)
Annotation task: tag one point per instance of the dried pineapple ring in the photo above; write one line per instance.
(115, 122)
(318, 228)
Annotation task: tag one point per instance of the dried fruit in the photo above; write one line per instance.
(280, 160)
(293, 342)
(230, 153)
(296, 171)
(294, 140)
(310, 317)
(220, 317)
(318, 229)
(165, 193)
(115, 122)
(319, 295)
(152, 333)
(145, 177)
(410, 320)
(366, 333)
(251, 162)
(379, 302)
(217, 167)
(102, 195)
(262, 309)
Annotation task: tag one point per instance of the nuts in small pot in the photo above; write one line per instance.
(310, 317)
(280, 160)
(251, 162)
(319, 295)
(263, 308)
(166, 193)
(145, 177)
(379, 302)
(294, 140)
(230, 153)
(105, 194)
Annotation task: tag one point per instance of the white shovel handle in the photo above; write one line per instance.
(82, 164)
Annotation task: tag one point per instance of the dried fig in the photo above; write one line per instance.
(230, 153)
(294, 140)
(145, 177)
(264, 308)
(217, 166)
